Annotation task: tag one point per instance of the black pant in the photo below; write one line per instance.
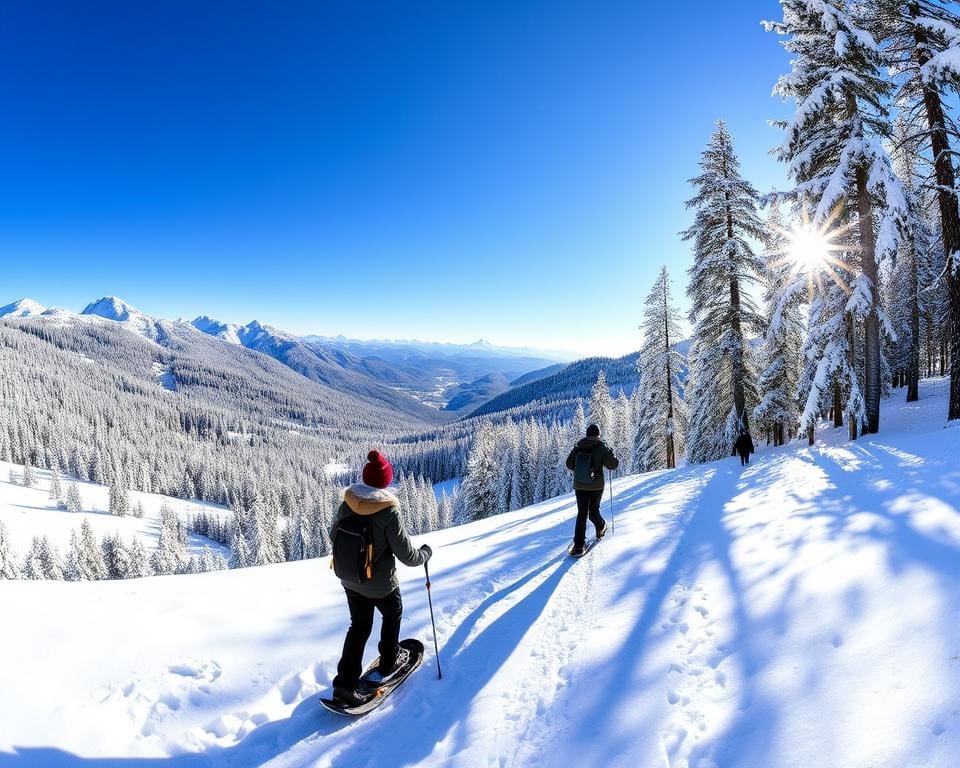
(361, 624)
(588, 505)
(744, 459)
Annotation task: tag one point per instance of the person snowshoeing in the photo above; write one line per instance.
(381, 591)
(587, 461)
(744, 447)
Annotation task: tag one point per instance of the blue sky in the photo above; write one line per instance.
(514, 171)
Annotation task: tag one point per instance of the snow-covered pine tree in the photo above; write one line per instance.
(623, 428)
(239, 551)
(29, 475)
(518, 466)
(320, 520)
(479, 494)
(56, 487)
(90, 565)
(830, 379)
(706, 421)
(50, 560)
(71, 569)
(911, 272)
(34, 568)
(116, 556)
(119, 497)
(211, 561)
(921, 45)
(171, 555)
(662, 413)
(578, 425)
(777, 412)
(265, 545)
(601, 405)
(139, 565)
(722, 313)
(834, 154)
(9, 569)
(445, 510)
(73, 501)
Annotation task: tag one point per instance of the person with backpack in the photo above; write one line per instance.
(744, 447)
(368, 538)
(587, 461)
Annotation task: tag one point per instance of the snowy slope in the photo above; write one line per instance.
(800, 612)
(29, 512)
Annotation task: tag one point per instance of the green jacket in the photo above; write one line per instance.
(390, 540)
(601, 456)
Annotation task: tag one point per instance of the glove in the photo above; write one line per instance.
(427, 552)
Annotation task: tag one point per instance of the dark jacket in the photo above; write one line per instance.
(744, 444)
(390, 540)
(601, 456)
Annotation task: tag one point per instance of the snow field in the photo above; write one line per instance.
(801, 611)
(29, 512)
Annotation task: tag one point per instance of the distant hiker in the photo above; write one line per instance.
(744, 447)
(367, 534)
(587, 460)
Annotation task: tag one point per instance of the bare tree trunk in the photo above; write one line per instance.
(837, 406)
(871, 323)
(852, 362)
(868, 265)
(913, 368)
(671, 450)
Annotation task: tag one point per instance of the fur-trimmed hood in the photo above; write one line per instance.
(364, 499)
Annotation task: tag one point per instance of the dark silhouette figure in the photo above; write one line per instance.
(744, 447)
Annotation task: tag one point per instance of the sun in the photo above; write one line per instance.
(809, 249)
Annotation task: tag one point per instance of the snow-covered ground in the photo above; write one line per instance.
(29, 512)
(446, 488)
(800, 612)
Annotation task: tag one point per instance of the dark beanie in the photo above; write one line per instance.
(377, 473)
(593, 431)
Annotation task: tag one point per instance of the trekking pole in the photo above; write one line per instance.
(433, 623)
(613, 517)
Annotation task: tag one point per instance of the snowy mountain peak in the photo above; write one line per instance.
(117, 310)
(22, 308)
(205, 324)
(111, 308)
(230, 332)
(226, 331)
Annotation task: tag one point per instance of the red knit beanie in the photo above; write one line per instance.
(377, 472)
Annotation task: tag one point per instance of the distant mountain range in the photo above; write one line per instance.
(455, 377)
(406, 375)
(566, 384)
(174, 346)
